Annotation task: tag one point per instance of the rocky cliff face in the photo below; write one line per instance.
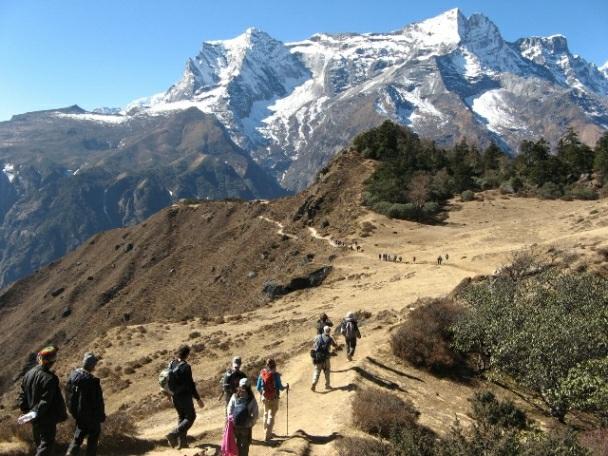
(67, 175)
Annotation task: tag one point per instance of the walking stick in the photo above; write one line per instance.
(288, 412)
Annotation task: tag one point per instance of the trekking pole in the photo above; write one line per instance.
(287, 412)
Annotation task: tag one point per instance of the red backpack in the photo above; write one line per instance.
(270, 390)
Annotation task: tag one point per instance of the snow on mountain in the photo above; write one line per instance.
(604, 69)
(9, 172)
(445, 77)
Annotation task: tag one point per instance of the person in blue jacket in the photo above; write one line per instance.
(269, 386)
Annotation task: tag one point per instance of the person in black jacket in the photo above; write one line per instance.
(183, 390)
(322, 322)
(41, 400)
(85, 402)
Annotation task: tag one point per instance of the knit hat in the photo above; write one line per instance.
(48, 355)
(89, 361)
(236, 361)
(350, 316)
(326, 329)
(244, 383)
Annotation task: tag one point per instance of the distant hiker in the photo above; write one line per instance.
(181, 387)
(41, 401)
(413, 259)
(322, 322)
(439, 260)
(350, 330)
(230, 380)
(321, 357)
(243, 409)
(84, 398)
(380, 256)
(400, 259)
(269, 386)
(447, 257)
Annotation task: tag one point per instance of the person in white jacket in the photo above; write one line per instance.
(243, 408)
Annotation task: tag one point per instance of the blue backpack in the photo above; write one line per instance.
(241, 411)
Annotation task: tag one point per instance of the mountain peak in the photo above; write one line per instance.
(446, 28)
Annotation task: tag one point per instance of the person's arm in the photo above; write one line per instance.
(102, 405)
(332, 341)
(230, 407)
(22, 399)
(49, 389)
(254, 412)
(260, 384)
(278, 383)
(358, 333)
(189, 381)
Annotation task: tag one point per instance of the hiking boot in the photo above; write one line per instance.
(182, 443)
(172, 440)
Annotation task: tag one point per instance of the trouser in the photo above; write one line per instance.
(270, 406)
(351, 344)
(243, 439)
(184, 405)
(91, 433)
(44, 438)
(322, 366)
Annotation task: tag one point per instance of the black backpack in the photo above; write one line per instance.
(241, 412)
(72, 396)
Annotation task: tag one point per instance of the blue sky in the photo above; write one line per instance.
(94, 53)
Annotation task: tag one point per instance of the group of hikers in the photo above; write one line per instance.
(394, 258)
(43, 405)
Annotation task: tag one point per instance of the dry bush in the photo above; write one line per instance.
(425, 338)
(382, 413)
(356, 446)
(595, 441)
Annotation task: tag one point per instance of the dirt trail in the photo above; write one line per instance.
(281, 230)
(479, 238)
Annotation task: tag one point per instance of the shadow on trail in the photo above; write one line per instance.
(349, 387)
(391, 369)
(373, 378)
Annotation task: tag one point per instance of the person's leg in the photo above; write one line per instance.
(248, 438)
(316, 374)
(79, 435)
(351, 347)
(187, 415)
(241, 433)
(93, 439)
(326, 370)
(271, 406)
(46, 434)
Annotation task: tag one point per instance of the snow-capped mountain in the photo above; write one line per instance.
(292, 105)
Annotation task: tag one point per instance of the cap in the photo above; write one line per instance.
(350, 315)
(244, 383)
(89, 361)
(236, 361)
(48, 354)
(326, 329)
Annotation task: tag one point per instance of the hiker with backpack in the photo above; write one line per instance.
(322, 322)
(243, 410)
(41, 401)
(269, 386)
(349, 328)
(179, 385)
(85, 403)
(232, 377)
(320, 354)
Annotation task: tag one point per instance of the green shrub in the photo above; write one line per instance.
(467, 195)
(549, 190)
(538, 328)
(492, 412)
(583, 193)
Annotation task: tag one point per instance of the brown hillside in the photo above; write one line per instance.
(204, 259)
